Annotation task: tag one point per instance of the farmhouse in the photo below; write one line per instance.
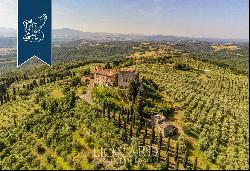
(163, 126)
(114, 77)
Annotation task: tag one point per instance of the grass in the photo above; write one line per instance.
(80, 90)
(57, 93)
(21, 108)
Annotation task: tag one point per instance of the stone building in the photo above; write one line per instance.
(163, 126)
(106, 77)
(113, 77)
(87, 78)
(126, 75)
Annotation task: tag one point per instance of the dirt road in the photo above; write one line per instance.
(88, 96)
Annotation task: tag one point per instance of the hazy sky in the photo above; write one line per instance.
(194, 18)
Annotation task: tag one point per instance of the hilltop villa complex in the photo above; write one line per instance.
(114, 77)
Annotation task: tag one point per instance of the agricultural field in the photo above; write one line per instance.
(212, 102)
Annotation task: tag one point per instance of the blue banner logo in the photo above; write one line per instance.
(34, 31)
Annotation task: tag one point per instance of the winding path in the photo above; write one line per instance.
(88, 96)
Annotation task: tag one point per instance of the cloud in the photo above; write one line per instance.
(8, 6)
(8, 13)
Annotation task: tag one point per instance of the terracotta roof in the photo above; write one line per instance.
(127, 69)
(103, 71)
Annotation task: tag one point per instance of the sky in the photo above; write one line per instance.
(192, 18)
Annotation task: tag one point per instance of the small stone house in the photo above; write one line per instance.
(163, 126)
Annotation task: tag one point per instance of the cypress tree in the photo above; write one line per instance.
(131, 130)
(114, 112)
(1, 99)
(14, 120)
(133, 118)
(128, 165)
(159, 148)
(34, 83)
(14, 91)
(167, 160)
(176, 151)
(31, 86)
(119, 118)
(132, 111)
(132, 91)
(152, 135)
(177, 165)
(103, 108)
(195, 164)
(159, 155)
(128, 114)
(185, 160)
(43, 80)
(7, 96)
(137, 132)
(160, 141)
(207, 167)
(40, 81)
(108, 111)
(125, 123)
(140, 124)
(168, 145)
(145, 134)
(140, 106)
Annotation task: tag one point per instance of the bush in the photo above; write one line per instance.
(184, 144)
(183, 67)
(162, 166)
(40, 149)
(2, 146)
(187, 128)
(86, 72)
(75, 81)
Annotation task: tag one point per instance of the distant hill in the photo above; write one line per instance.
(70, 34)
(7, 32)
(8, 42)
(66, 34)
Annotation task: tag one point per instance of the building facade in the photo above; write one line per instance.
(113, 77)
(163, 126)
(106, 77)
(125, 76)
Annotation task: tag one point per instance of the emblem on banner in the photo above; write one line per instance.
(33, 29)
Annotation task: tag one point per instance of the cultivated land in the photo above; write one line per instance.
(49, 120)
